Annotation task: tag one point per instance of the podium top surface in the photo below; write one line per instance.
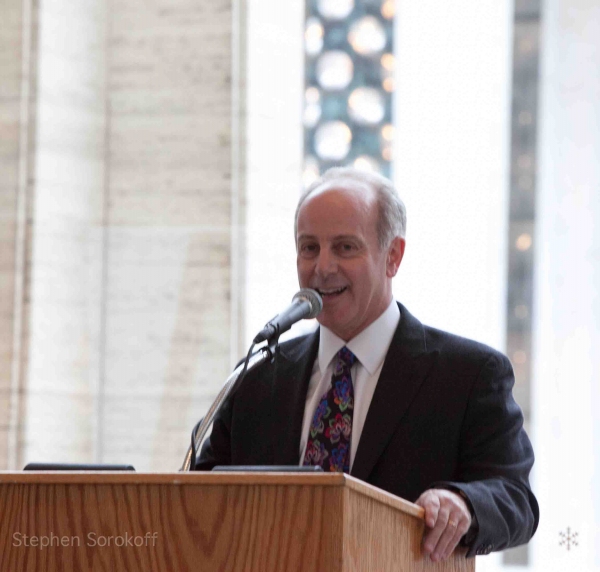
(208, 479)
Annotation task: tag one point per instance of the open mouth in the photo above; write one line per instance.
(330, 292)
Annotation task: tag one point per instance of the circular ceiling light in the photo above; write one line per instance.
(388, 62)
(312, 107)
(388, 9)
(312, 95)
(524, 242)
(335, 70)
(335, 9)
(387, 132)
(333, 140)
(312, 114)
(311, 171)
(313, 36)
(367, 36)
(366, 105)
(366, 163)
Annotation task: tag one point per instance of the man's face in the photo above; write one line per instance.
(339, 256)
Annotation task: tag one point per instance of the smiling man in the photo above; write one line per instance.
(421, 413)
(340, 255)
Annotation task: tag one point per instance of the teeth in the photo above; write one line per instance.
(332, 290)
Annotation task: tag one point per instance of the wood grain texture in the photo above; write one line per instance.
(200, 523)
(383, 497)
(217, 521)
(380, 536)
(212, 478)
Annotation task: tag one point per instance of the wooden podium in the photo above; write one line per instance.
(175, 522)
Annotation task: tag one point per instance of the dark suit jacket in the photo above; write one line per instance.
(442, 415)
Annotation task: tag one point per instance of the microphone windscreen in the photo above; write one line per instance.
(313, 298)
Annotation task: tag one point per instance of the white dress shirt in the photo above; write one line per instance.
(370, 348)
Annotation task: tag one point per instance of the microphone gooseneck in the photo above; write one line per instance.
(305, 304)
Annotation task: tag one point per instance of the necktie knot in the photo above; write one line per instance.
(346, 357)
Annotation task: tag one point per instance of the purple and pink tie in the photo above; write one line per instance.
(330, 432)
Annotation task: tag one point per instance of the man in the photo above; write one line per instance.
(421, 413)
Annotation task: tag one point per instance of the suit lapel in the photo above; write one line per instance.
(404, 370)
(293, 368)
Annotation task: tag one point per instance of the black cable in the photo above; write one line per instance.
(243, 372)
(194, 454)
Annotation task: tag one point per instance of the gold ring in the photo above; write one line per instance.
(453, 523)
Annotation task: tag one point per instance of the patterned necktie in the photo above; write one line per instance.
(331, 426)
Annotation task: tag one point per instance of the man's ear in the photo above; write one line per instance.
(394, 256)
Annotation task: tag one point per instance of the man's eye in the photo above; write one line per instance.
(309, 248)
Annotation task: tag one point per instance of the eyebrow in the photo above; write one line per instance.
(335, 238)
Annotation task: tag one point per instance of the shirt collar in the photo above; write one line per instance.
(370, 346)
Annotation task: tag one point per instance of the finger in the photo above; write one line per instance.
(431, 503)
(450, 537)
(461, 530)
(433, 536)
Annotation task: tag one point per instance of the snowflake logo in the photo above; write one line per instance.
(568, 538)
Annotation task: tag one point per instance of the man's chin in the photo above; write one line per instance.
(333, 321)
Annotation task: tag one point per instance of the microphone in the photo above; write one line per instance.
(306, 304)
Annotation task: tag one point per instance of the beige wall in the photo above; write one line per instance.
(169, 216)
(67, 213)
(128, 326)
(10, 71)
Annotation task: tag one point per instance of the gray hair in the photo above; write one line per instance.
(392, 212)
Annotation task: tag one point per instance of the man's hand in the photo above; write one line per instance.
(447, 518)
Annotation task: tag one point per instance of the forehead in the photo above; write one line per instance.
(337, 200)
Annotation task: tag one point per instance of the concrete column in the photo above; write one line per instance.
(65, 226)
(15, 60)
(168, 285)
(122, 217)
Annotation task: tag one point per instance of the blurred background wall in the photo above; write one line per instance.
(151, 156)
(119, 226)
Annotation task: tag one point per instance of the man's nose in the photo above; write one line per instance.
(326, 263)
